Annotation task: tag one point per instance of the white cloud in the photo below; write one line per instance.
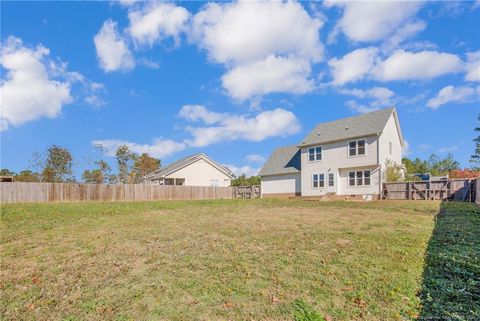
(451, 94)
(403, 33)
(28, 92)
(200, 113)
(246, 31)
(376, 20)
(274, 74)
(255, 158)
(473, 66)
(353, 66)
(219, 127)
(379, 97)
(157, 21)
(246, 169)
(365, 63)
(424, 147)
(447, 149)
(148, 63)
(127, 3)
(93, 94)
(361, 108)
(379, 93)
(404, 65)
(406, 149)
(273, 40)
(160, 148)
(227, 127)
(112, 50)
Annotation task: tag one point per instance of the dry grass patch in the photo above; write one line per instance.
(213, 260)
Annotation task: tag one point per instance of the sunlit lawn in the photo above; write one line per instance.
(214, 260)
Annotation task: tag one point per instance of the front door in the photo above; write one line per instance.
(331, 183)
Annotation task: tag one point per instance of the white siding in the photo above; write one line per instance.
(390, 135)
(334, 157)
(281, 184)
(344, 189)
(201, 173)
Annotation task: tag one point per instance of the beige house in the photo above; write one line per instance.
(194, 170)
(343, 157)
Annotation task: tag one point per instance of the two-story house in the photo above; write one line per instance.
(343, 157)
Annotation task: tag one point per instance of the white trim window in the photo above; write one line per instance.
(315, 180)
(357, 147)
(331, 180)
(315, 153)
(359, 178)
(318, 180)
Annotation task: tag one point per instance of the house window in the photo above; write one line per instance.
(361, 147)
(390, 148)
(214, 182)
(356, 147)
(315, 181)
(359, 178)
(331, 182)
(352, 149)
(318, 180)
(315, 153)
(351, 179)
(366, 177)
(321, 178)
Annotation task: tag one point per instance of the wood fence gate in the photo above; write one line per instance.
(452, 189)
(246, 191)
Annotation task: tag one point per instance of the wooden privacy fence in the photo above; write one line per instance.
(452, 189)
(246, 191)
(70, 192)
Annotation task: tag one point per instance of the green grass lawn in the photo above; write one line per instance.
(228, 260)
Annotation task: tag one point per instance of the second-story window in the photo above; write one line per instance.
(356, 147)
(315, 153)
(390, 148)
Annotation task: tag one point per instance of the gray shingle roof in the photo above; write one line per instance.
(361, 125)
(181, 163)
(284, 160)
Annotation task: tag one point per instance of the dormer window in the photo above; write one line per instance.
(356, 147)
(315, 153)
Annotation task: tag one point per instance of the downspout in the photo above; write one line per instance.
(379, 166)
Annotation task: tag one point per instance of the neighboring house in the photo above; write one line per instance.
(194, 170)
(344, 157)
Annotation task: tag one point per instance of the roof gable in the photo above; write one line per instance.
(183, 162)
(357, 126)
(284, 160)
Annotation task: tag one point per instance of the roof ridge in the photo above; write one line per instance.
(357, 116)
(349, 127)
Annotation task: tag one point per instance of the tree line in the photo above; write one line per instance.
(55, 165)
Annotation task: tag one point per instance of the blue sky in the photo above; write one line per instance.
(233, 80)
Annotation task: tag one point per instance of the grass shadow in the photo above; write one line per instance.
(451, 277)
